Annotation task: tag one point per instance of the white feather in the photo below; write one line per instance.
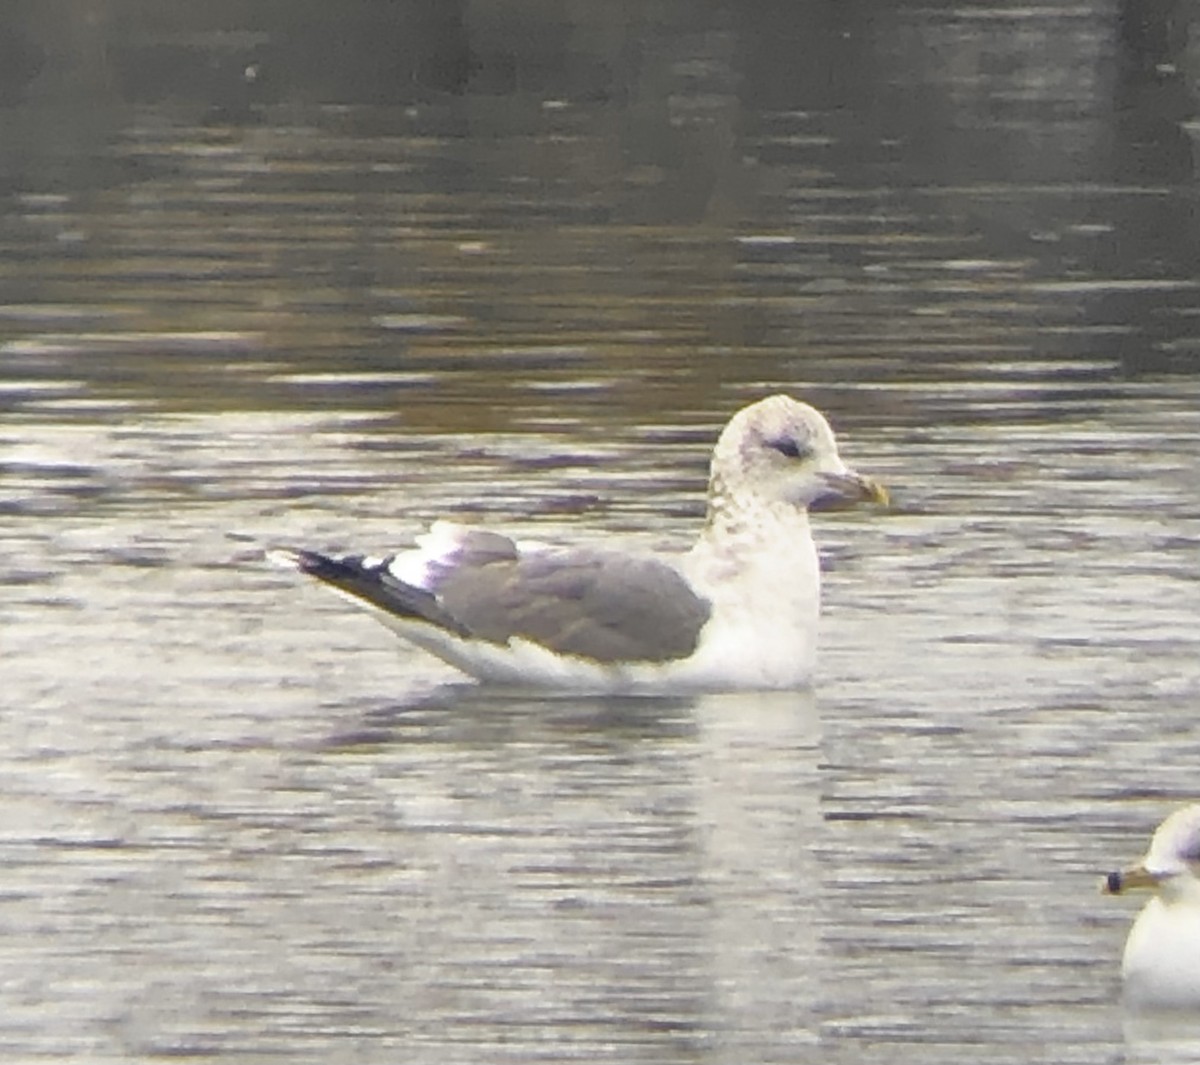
(755, 564)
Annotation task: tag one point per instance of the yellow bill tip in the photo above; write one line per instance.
(876, 492)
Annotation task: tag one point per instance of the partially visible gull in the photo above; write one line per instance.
(1161, 964)
(737, 611)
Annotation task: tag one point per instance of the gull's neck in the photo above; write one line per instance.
(740, 523)
(1181, 889)
(756, 564)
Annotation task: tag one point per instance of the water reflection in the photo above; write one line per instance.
(1161, 1040)
(493, 273)
(611, 874)
(644, 837)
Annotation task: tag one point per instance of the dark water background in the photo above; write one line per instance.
(321, 273)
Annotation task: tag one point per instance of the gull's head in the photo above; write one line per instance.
(1172, 863)
(780, 450)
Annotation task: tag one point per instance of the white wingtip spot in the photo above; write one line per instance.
(283, 557)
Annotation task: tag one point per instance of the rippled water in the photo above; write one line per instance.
(243, 821)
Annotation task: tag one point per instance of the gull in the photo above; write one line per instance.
(1160, 967)
(736, 612)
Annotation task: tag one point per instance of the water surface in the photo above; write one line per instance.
(526, 286)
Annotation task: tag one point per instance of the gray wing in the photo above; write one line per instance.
(602, 605)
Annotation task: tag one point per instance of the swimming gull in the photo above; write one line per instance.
(1161, 964)
(737, 611)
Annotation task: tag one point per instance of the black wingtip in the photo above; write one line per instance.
(347, 572)
(372, 584)
(323, 567)
(292, 558)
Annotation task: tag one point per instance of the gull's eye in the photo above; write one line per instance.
(787, 446)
